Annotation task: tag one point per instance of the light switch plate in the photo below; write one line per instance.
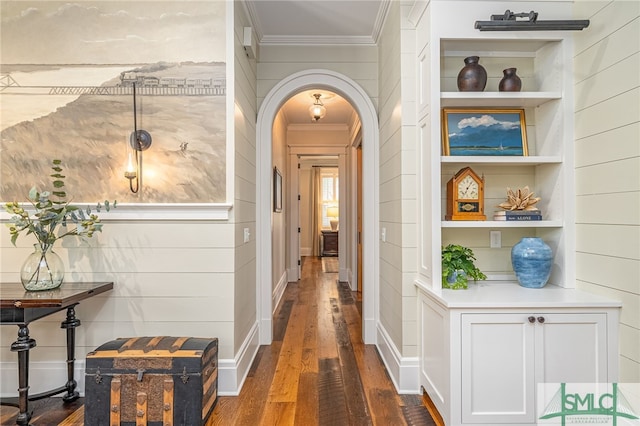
(495, 239)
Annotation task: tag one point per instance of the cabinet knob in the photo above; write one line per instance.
(540, 320)
(532, 319)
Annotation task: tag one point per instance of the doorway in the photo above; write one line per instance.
(351, 91)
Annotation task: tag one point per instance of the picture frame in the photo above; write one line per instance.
(277, 190)
(484, 132)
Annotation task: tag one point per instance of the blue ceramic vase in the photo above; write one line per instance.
(532, 260)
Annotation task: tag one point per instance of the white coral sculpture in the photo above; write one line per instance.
(522, 199)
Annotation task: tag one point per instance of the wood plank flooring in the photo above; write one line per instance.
(317, 371)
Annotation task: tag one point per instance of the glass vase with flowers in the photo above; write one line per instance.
(50, 217)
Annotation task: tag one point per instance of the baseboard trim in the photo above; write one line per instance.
(233, 372)
(278, 292)
(404, 371)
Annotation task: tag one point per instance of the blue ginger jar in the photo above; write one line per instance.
(532, 260)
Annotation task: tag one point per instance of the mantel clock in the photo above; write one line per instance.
(465, 196)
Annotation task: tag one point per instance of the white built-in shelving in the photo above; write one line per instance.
(498, 327)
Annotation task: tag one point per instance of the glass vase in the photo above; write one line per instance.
(42, 270)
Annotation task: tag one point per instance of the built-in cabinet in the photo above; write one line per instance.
(483, 351)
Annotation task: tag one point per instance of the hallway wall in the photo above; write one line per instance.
(607, 91)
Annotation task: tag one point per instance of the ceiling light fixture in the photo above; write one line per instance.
(508, 22)
(317, 110)
(139, 140)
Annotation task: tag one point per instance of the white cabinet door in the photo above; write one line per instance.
(505, 356)
(498, 367)
(571, 348)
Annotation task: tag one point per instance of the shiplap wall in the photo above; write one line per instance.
(398, 180)
(172, 277)
(607, 91)
(390, 116)
(243, 160)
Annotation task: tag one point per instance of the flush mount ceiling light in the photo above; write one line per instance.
(317, 110)
(508, 22)
(139, 140)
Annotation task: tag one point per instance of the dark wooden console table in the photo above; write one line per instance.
(20, 307)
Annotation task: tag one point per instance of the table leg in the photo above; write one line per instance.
(22, 346)
(70, 324)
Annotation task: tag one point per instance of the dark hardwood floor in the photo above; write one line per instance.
(317, 371)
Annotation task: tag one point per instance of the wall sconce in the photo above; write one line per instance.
(139, 140)
(332, 212)
(317, 110)
(508, 22)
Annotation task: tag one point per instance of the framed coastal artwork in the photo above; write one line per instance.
(67, 93)
(484, 132)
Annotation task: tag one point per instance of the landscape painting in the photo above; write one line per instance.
(68, 76)
(484, 132)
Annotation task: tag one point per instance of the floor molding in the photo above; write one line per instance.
(233, 372)
(404, 371)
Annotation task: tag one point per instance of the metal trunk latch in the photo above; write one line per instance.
(140, 373)
(98, 377)
(185, 376)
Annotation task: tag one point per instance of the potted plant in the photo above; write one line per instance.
(50, 218)
(458, 266)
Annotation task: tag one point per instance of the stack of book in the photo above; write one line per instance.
(518, 215)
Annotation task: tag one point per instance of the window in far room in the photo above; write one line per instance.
(329, 204)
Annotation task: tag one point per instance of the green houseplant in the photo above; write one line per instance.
(51, 217)
(458, 266)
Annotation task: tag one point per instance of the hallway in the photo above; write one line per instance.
(317, 371)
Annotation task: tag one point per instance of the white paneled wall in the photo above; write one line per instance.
(607, 92)
(390, 116)
(243, 161)
(171, 278)
(359, 63)
(398, 178)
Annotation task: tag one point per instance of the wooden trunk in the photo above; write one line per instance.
(168, 381)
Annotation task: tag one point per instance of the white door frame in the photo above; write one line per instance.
(277, 96)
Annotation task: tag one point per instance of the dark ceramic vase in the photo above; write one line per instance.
(532, 259)
(472, 77)
(510, 82)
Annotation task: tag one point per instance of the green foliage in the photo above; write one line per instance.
(52, 217)
(458, 260)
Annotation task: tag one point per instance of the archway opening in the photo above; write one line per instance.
(350, 90)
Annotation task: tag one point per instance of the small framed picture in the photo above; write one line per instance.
(277, 190)
(483, 131)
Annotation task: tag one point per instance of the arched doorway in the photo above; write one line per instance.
(351, 91)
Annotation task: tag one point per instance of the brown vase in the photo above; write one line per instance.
(510, 82)
(472, 77)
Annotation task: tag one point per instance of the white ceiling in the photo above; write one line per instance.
(317, 22)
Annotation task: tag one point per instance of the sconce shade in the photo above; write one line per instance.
(508, 22)
(317, 110)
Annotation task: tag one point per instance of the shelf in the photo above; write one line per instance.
(501, 224)
(533, 160)
(497, 99)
